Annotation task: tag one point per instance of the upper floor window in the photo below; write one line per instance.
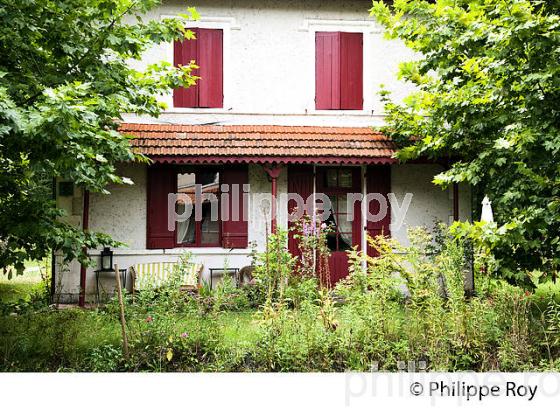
(207, 52)
(338, 71)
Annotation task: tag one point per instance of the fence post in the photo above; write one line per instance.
(121, 305)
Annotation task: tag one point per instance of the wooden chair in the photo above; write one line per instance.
(156, 274)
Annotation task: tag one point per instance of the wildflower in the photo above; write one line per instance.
(184, 335)
(306, 229)
(149, 319)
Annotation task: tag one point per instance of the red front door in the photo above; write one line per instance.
(344, 218)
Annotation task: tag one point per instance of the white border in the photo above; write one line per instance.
(227, 24)
(368, 29)
(326, 391)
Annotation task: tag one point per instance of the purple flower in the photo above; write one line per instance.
(184, 334)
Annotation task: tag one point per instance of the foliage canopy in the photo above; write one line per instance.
(65, 80)
(488, 93)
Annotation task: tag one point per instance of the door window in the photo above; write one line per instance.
(341, 228)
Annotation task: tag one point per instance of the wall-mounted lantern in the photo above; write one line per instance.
(106, 259)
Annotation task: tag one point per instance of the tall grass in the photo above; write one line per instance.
(407, 305)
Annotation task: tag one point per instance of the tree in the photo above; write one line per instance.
(65, 79)
(488, 96)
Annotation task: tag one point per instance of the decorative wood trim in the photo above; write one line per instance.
(271, 160)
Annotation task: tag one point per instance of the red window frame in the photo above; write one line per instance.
(198, 224)
(162, 181)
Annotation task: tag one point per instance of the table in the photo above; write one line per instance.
(98, 272)
(230, 271)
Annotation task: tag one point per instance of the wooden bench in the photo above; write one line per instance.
(155, 274)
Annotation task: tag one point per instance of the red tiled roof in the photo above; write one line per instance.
(259, 143)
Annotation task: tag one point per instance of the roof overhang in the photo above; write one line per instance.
(326, 160)
(263, 144)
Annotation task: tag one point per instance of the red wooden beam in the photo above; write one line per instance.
(273, 173)
(85, 227)
(273, 207)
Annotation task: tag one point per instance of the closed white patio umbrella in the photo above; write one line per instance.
(487, 215)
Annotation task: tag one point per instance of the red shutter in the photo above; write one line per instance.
(351, 71)
(327, 71)
(183, 53)
(378, 181)
(300, 181)
(235, 233)
(210, 57)
(207, 52)
(161, 182)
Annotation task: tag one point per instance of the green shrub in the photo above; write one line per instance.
(229, 297)
(546, 293)
(301, 289)
(105, 358)
(273, 268)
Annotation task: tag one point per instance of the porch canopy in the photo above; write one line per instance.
(260, 144)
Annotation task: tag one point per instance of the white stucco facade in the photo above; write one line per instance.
(269, 62)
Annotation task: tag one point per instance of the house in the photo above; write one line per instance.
(285, 105)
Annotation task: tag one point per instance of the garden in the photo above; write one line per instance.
(408, 305)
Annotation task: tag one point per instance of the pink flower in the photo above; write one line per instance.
(323, 225)
(149, 319)
(184, 334)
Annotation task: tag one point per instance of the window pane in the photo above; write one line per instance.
(185, 184)
(342, 204)
(210, 225)
(207, 179)
(331, 235)
(185, 229)
(345, 241)
(331, 177)
(345, 178)
(344, 225)
(334, 203)
(331, 241)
